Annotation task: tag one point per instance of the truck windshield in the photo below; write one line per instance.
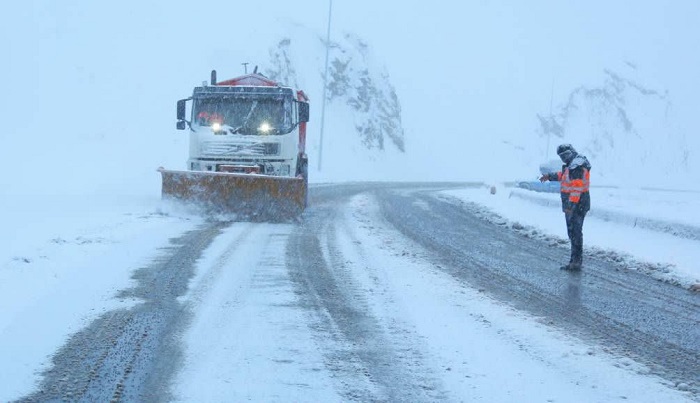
(250, 116)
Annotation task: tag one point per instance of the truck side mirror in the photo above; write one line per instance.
(181, 110)
(303, 111)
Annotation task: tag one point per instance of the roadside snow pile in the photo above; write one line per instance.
(64, 260)
(675, 227)
(659, 247)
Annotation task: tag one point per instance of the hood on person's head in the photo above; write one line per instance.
(567, 153)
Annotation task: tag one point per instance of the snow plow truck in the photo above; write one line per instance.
(247, 149)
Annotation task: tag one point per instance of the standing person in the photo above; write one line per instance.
(575, 198)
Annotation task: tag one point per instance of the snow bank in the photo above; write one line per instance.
(625, 226)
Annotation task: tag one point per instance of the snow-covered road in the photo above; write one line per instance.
(345, 307)
(249, 338)
(377, 295)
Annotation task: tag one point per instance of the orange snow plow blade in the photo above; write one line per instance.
(260, 197)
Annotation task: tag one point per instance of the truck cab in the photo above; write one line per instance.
(249, 125)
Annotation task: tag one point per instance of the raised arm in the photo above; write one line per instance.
(552, 176)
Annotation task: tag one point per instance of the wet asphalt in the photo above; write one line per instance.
(627, 311)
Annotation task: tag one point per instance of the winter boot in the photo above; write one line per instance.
(571, 266)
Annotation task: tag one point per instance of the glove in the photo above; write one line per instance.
(544, 178)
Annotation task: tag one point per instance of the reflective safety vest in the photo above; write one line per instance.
(574, 187)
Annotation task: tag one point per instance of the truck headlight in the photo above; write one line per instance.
(265, 128)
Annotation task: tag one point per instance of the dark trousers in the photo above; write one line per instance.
(574, 226)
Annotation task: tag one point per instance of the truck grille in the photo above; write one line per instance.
(222, 149)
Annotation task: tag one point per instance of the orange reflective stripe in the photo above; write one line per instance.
(575, 185)
(565, 183)
(575, 197)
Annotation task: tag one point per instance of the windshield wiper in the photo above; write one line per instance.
(242, 128)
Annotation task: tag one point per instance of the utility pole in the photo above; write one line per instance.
(245, 67)
(325, 84)
(549, 132)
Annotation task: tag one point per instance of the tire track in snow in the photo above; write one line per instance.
(129, 354)
(653, 322)
(358, 348)
(248, 338)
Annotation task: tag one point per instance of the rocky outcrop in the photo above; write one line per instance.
(354, 82)
(620, 125)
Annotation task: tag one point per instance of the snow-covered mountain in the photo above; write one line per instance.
(355, 81)
(627, 128)
(460, 91)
